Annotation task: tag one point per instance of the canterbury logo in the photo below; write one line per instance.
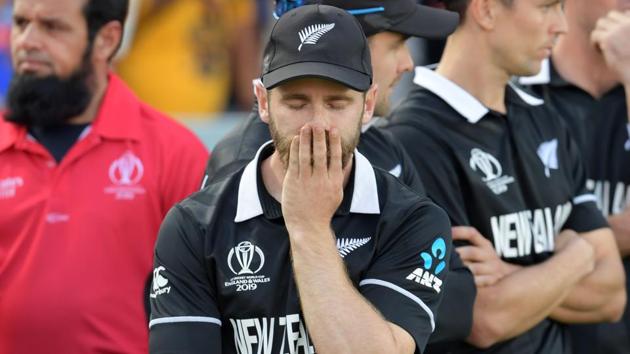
(312, 33)
(347, 245)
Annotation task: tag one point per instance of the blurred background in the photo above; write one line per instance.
(195, 59)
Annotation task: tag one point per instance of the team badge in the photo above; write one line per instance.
(487, 165)
(245, 261)
(125, 174)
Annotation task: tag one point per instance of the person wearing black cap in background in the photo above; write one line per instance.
(587, 80)
(507, 171)
(308, 249)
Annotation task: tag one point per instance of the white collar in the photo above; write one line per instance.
(458, 98)
(542, 78)
(364, 195)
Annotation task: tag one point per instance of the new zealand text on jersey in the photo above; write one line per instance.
(257, 335)
(610, 201)
(518, 234)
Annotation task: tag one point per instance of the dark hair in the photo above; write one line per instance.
(98, 13)
(460, 6)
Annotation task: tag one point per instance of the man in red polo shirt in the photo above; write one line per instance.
(87, 173)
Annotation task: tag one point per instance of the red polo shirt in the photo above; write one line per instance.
(76, 238)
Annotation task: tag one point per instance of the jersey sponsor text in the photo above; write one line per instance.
(257, 335)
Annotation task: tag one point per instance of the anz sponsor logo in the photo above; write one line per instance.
(518, 234)
(246, 260)
(264, 335)
(159, 283)
(611, 199)
(487, 165)
(424, 276)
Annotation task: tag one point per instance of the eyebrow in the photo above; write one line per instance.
(303, 97)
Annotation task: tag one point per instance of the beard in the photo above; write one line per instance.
(282, 144)
(49, 101)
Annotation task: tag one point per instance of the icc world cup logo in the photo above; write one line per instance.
(245, 256)
(486, 163)
(126, 170)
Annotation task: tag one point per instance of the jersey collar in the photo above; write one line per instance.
(364, 193)
(459, 99)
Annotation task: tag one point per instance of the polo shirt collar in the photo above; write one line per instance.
(459, 99)
(119, 116)
(10, 134)
(364, 192)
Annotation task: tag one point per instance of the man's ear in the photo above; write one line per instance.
(107, 41)
(484, 12)
(370, 103)
(263, 100)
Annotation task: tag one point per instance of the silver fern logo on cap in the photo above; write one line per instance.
(312, 33)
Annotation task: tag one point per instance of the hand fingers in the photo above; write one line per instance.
(305, 151)
(294, 157)
(335, 169)
(485, 280)
(479, 269)
(470, 253)
(320, 163)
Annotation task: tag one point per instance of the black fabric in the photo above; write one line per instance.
(500, 199)
(58, 139)
(196, 267)
(239, 147)
(601, 128)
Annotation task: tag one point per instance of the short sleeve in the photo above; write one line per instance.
(184, 314)
(585, 216)
(405, 282)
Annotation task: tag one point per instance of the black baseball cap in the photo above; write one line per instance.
(317, 41)
(406, 17)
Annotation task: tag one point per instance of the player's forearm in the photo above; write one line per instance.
(602, 292)
(525, 297)
(604, 314)
(620, 224)
(339, 319)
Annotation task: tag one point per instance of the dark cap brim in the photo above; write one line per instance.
(428, 22)
(353, 79)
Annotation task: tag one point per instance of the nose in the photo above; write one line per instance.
(322, 117)
(405, 63)
(559, 22)
(27, 38)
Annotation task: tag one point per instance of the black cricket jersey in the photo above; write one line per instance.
(223, 280)
(518, 178)
(602, 130)
(239, 147)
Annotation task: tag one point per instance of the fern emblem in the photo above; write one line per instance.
(312, 33)
(347, 245)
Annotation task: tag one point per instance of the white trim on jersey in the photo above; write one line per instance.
(530, 99)
(403, 292)
(364, 196)
(542, 78)
(181, 319)
(584, 198)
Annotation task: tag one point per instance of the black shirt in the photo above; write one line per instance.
(59, 140)
(239, 147)
(223, 279)
(602, 131)
(517, 178)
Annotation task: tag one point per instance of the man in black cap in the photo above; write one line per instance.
(308, 234)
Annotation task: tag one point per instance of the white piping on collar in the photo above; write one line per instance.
(542, 78)
(364, 196)
(529, 99)
(458, 98)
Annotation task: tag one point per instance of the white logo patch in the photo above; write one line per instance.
(491, 169)
(312, 33)
(347, 245)
(548, 154)
(125, 173)
(9, 187)
(246, 260)
(159, 283)
(425, 278)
